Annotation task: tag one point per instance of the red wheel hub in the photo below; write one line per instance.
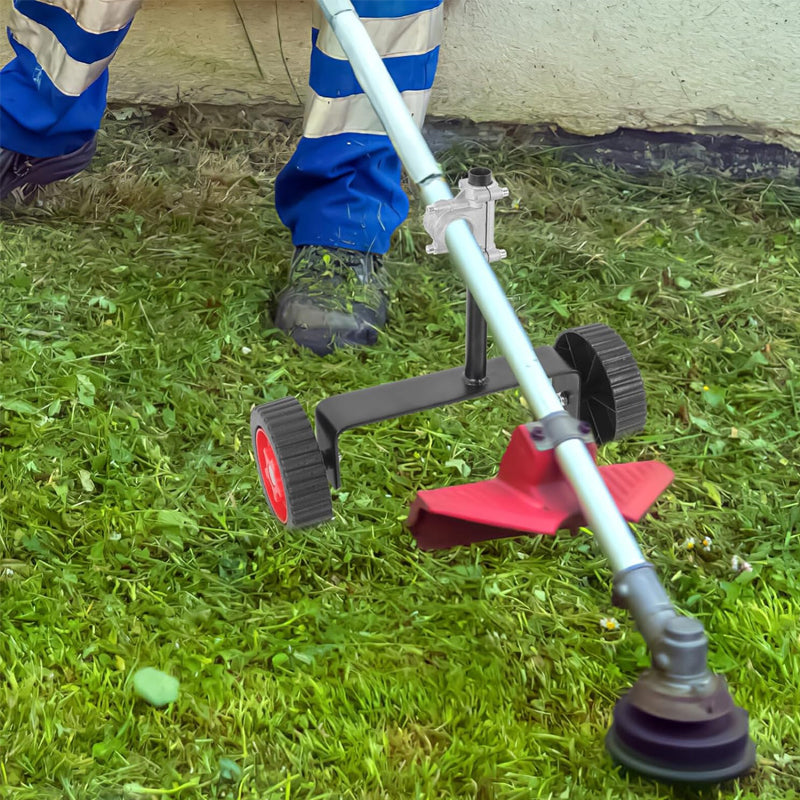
(271, 475)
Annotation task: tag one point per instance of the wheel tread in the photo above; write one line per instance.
(618, 381)
(299, 459)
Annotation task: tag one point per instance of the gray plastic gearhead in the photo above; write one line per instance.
(678, 645)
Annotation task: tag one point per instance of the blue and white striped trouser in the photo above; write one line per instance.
(341, 187)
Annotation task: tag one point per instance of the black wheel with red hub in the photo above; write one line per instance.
(289, 463)
(613, 399)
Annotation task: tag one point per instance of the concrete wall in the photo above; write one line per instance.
(713, 66)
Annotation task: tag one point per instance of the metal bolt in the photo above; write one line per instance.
(584, 428)
(537, 433)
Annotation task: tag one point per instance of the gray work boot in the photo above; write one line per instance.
(335, 298)
(21, 175)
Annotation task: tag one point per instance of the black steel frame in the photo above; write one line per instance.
(478, 377)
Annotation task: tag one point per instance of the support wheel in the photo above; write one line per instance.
(289, 463)
(613, 400)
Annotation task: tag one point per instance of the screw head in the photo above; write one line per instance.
(584, 428)
(537, 433)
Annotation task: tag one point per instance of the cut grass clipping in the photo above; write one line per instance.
(341, 662)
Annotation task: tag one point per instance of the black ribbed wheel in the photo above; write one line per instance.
(289, 463)
(613, 400)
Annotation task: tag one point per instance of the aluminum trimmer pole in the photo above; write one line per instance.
(575, 461)
(678, 722)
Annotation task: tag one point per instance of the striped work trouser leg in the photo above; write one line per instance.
(53, 93)
(342, 186)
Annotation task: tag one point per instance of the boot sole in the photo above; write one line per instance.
(50, 170)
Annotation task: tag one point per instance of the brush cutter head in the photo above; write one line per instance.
(689, 738)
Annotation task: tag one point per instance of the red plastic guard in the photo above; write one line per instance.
(529, 495)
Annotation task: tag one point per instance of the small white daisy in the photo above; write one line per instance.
(740, 565)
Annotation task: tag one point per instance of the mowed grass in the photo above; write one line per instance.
(341, 662)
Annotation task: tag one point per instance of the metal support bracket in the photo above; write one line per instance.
(341, 412)
(475, 203)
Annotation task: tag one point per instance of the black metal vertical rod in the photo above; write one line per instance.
(475, 359)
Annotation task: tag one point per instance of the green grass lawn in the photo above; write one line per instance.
(341, 662)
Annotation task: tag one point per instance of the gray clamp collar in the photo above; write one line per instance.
(474, 203)
(550, 431)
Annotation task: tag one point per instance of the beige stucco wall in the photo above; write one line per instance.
(587, 65)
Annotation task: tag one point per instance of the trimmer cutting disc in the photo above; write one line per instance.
(697, 739)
